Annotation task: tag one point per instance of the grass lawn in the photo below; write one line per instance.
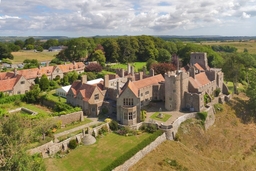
(96, 156)
(20, 56)
(164, 119)
(71, 126)
(51, 95)
(230, 86)
(137, 65)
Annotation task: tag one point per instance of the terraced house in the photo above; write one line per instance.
(20, 81)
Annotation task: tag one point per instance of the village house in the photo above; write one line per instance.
(29, 75)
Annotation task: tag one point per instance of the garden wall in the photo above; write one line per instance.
(69, 118)
(139, 155)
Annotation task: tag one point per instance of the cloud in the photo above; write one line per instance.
(121, 16)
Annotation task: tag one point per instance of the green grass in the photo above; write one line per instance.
(96, 156)
(164, 119)
(51, 95)
(240, 87)
(137, 65)
(73, 125)
(20, 56)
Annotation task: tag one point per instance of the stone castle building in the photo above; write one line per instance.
(124, 93)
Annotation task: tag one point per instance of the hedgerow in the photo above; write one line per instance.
(120, 160)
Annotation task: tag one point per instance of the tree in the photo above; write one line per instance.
(29, 41)
(44, 83)
(13, 141)
(99, 56)
(37, 80)
(19, 43)
(64, 80)
(5, 52)
(162, 68)
(149, 64)
(39, 48)
(13, 47)
(73, 76)
(51, 42)
(93, 67)
(32, 96)
(111, 49)
(29, 47)
(164, 56)
(30, 63)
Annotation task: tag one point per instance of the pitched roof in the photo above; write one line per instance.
(129, 84)
(200, 80)
(67, 67)
(8, 84)
(6, 75)
(198, 67)
(149, 81)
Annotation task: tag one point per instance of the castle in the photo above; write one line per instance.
(126, 92)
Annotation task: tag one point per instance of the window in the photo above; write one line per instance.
(18, 92)
(96, 97)
(93, 109)
(130, 115)
(128, 101)
(174, 91)
(22, 82)
(147, 92)
(141, 94)
(170, 99)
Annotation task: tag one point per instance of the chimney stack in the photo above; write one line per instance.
(151, 72)
(84, 79)
(141, 75)
(118, 87)
(128, 68)
(106, 81)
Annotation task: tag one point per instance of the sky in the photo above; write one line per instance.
(76, 18)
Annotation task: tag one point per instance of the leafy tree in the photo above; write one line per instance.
(99, 56)
(51, 42)
(164, 56)
(111, 49)
(64, 80)
(19, 43)
(91, 76)
(73, 76)
(39, 48)
(13, 47)
(149, 63)
(56, 61)
(32, 96)
(251, 89)
(126, 50)
(171, 47)
(29, 47)
(5, 51)
(93, 67)
(162, 68)
(147, 49)
(30, 63)
(29, 41)
(44, 83)
(37, 80)
(13, 140)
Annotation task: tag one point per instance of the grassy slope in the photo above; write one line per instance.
(96, 156)
(250, 46)
(20, 56)
(137, 65)
(228, 145)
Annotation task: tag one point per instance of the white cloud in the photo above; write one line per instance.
(121, 16)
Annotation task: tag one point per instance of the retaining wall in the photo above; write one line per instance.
(139, 155)
(69, 118)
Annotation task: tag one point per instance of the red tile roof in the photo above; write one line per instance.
(149, 81)
(200, 80)
(198, 67)
(8, 84)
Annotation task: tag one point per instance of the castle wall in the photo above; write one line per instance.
(194, 101)
(200, 58)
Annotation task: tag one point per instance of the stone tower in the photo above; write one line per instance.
(176, 84)
(200, 58)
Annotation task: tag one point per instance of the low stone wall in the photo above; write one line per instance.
(52, 148)
(69, 118)
(23, 109)
(139, 155)
(210, 117)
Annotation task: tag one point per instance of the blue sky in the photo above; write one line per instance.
(127, 17)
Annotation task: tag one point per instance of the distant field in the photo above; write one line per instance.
(250, 46)
(20, 56)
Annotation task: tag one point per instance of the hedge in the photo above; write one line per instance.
(120, 160)
(10, 99)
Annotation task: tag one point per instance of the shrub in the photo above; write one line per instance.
(218, 107)
(143, 115)
(72, 144)
(93, 67)
(149, 128)
(202, 115)
(113, 125)
(216, 92)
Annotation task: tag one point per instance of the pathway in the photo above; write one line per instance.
(94, 122)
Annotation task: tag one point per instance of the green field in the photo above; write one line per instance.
(164, 119)
(250, 45)
(20, 56)
(137, 65)
(96, 156)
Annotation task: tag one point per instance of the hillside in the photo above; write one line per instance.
(229, 144)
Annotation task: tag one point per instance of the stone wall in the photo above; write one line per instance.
(69, 118)
(52, 148)
(23, 109)
(139, 155)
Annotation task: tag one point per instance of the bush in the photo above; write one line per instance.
(93, 67)
(72, 144)
(113, 125)
(202, 115)
(218, 107)
(216, 92)
(149, 128)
